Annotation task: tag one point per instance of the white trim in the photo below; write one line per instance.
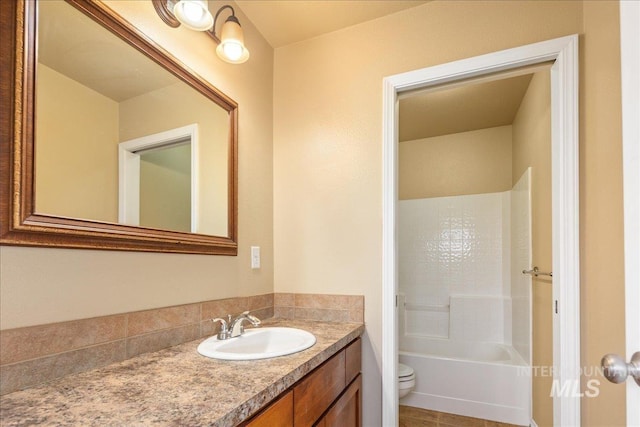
(389, 255)
(129, 172)
(565, 216)
(630, 68)
(128, 187)
(564, 77)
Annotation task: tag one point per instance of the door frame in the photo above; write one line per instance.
(565, 206)
(129, 171)
(630, 69)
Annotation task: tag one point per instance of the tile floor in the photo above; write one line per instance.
(417, 417)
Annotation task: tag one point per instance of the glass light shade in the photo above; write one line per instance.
(193, 14)
(231, 48)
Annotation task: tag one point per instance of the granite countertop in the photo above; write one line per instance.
(174, 386)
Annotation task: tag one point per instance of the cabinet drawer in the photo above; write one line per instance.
(318, 390)
(353, 361)
(278, 414)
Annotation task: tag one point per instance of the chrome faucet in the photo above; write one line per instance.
(234, 328)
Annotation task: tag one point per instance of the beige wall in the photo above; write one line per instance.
(86, 184)
(328, 157)
(472, 162)
(156, 112)
(165, 188)
(42, 285)
(532, 148)
(601, 232)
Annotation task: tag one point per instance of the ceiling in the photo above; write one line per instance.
(77, 47)
(284, 22)
(423, 115)
(67, 40)
(462, 108)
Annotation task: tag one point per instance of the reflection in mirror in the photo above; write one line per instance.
(165, 188)
(79, 84)
(93, 93)
(157, 186)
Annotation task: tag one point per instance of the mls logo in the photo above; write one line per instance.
(572, 389)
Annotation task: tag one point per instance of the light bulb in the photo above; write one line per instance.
(232, 50)
(193, 11)
(193, 14)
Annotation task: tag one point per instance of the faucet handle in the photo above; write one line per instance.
(224, 328)
(250, 317)
(253, 319)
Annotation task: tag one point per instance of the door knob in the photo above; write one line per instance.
(616, 370)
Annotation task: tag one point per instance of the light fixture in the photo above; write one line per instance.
(231, 46)
(195, 15)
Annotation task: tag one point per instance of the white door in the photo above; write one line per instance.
(630, 38)
(630, 66)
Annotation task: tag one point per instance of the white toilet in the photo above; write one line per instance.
(406, 380)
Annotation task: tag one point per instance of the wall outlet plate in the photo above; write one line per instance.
(255, 257)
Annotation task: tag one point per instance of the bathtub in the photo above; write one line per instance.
(474, 379)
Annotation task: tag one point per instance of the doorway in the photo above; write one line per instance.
(158, 180)
(562, 53)
(474, 218)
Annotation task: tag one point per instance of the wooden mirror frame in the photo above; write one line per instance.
(19, 224)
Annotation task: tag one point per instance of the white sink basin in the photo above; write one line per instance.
(259, 343)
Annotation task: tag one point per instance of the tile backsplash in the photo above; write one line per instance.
(329, 308)
(37, 354)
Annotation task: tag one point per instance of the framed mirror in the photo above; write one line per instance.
(110, 142)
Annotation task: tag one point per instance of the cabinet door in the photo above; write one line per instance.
(278, 414)
(347, 410)
(315, 393)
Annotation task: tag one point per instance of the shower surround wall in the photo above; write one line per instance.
(456, 272)
(454, 259)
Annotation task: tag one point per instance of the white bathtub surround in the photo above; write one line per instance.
(424, 317)
(521, 258)
(464, 305)
(480, 318)
(455, 246)
(475, 379)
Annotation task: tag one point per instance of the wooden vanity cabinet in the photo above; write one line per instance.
(277, 414)
(330, 396)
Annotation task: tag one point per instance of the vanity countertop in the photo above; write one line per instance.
(174, 386)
